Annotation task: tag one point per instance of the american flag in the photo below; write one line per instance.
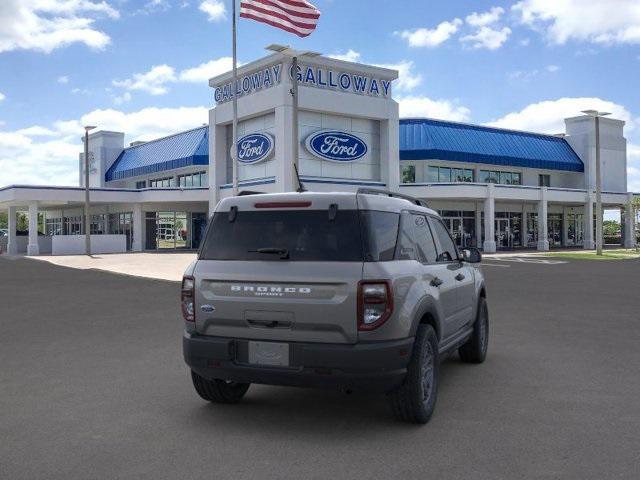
(294, 16)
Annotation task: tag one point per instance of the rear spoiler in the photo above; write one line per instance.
(388, 193)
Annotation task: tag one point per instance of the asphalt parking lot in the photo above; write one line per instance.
(92, 385)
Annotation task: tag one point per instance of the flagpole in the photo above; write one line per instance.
(294, 126)
(234, 144)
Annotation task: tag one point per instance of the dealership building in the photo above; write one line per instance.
(495, 188)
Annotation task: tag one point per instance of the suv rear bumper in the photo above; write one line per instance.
(373, 366)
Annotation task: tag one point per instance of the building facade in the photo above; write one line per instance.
(496, 189)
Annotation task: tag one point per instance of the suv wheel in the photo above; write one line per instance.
(475, 350)
(415, 400)
(219, 391)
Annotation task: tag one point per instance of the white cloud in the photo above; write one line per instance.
(49, 155)
(45, 25)
(154, 81)
(527, 75)
(424, 37)
(349, 56)
(157, 80)
(2, 96)
(420, 106)
(214, 9)
(203, 72)
(63, 79)
(595, 21)
(548, 116)
(153, 6)
(36, 131)
(407, 78)
(486, 18)
(120, 99)
(525, 42)
(487, 37)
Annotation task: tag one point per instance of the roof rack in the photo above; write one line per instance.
(388, 193)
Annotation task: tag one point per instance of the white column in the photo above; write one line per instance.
(543, 240)
(32, 247)
(12, 246)
(478, 225)
(285, 181)
(218, 149)
(136, 244)
(489, 245)
(629, 224)
(589, 242)
(390, 151)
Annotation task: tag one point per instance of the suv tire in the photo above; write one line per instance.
(475, 349)
(219, 391)
(415, 400)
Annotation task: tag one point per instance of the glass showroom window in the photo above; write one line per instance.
(142, 184)
(53, 226)
(162, 182)
(504, 178)
(73, 226)
(544, 180)
(461, 175)
(199, 179)
(447, 174)
(98, 222)
(408, 174)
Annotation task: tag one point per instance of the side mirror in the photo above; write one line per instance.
(471, 255)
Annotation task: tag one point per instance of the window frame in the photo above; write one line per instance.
(439, 247)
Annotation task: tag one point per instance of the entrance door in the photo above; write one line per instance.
(166, 230)
(503, 233)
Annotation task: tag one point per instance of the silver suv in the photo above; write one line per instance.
(355, 291)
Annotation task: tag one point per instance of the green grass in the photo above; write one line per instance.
(618, 254)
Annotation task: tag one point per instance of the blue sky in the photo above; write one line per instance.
(141, 66)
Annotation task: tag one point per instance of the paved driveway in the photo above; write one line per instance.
(92, 385)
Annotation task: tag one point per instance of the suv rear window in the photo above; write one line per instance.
(305, 235)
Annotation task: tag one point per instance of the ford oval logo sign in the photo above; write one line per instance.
(255, 148)
(336, 146)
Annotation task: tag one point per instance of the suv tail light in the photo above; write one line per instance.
(375, 303)
(187, 299)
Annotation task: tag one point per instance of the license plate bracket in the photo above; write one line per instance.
(269, 353)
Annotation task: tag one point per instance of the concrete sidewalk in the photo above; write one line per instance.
(163, 266)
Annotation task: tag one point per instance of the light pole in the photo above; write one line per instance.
(596, 114)
(87, 217)
(294, 54)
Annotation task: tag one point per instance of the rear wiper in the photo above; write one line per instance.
(283, 252)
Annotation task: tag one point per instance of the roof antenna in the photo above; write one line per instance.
(300, 188)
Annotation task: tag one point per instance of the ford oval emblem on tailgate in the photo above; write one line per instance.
(207, 308)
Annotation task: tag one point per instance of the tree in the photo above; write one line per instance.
(3, 220)
(611, 228)
(22, 223)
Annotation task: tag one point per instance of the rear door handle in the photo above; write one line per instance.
(436, 282)
(459, 277)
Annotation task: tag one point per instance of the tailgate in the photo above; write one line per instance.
(279, 301)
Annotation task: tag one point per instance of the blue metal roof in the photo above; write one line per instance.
(176, 151)
(427, 139)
